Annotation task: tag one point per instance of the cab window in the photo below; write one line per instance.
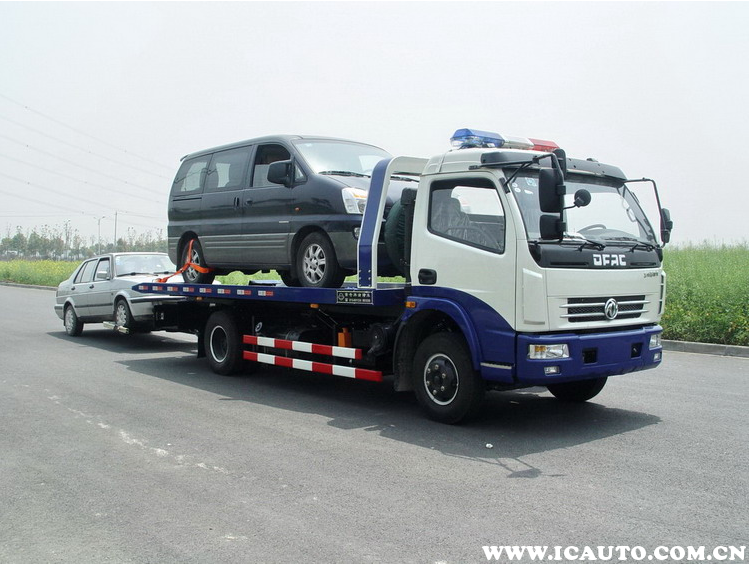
(468, 211)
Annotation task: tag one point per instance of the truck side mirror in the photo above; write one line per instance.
(666, 225)
(281, 172)
(551, 227)
(551, 190)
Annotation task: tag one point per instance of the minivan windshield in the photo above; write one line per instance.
(346, 158)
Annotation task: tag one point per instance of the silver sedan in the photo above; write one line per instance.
(101, 290)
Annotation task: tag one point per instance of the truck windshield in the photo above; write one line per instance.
(613, 215)
(340, 157)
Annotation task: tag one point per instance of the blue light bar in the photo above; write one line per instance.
(466, 138)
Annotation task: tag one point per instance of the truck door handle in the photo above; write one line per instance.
(427, 276)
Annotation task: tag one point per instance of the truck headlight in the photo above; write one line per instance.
(355, 200)
(546, 352)
(655, 341)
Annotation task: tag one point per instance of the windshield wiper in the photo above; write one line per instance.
(598, 245)
(637, 244)
(404, 178)
(344, 173)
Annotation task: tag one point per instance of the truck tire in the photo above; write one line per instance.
(445, 382)
(73, 325)
(191, 275)
(223, 343)
(580, 391)
(317, 265)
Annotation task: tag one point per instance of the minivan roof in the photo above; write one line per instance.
(271, 139)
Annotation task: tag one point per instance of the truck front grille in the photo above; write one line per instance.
(581, 310)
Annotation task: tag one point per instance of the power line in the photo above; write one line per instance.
(75, 164)
(82, 148)
(58, 173)
(57, 121)
(67, 195)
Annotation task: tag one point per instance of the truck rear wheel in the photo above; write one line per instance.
(445, 382)
(222, 342)
(577, 391)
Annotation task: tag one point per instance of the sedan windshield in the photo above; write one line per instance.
(342, 158)
(614, 213)
(126, 265)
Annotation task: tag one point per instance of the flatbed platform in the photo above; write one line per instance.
(272, 291)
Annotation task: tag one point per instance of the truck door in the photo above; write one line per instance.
(463, 240)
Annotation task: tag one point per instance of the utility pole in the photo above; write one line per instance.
(99, 234)
(115, 245)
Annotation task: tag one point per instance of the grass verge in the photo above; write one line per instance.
(707, 289)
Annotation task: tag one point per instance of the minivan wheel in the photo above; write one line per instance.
(316, 263)
(190, 274)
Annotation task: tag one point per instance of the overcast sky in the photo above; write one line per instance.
(99, 101)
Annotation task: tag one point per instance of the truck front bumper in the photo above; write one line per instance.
(592, 355)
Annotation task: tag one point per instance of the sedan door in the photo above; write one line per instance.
(80, 291)
(100, 291)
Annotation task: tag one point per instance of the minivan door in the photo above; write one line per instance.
(221, 236)
(268, 209)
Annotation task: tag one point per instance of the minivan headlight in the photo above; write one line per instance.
(355, 200)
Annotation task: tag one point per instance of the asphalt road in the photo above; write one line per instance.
(121, 448)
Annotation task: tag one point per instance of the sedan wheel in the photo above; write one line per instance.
(123, 317)
(73, 325)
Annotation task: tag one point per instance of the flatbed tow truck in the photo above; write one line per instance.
(512, 280)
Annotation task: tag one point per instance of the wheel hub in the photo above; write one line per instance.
(441, 379)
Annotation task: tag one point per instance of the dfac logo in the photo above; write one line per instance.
(609, 260)
(611, 308)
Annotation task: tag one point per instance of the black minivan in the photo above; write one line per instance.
(230, 209)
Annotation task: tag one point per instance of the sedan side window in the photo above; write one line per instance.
(103, 270)
(86, 274)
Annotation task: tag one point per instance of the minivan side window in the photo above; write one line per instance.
(227, 169)
(265, 155)
(190, 176)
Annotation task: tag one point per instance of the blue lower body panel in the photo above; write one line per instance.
(592, 355)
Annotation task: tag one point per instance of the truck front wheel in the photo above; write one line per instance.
(445, 382)
(577, 391)
(222, 342)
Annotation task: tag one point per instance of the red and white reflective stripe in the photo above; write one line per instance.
(321, 367)
(341, 352)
